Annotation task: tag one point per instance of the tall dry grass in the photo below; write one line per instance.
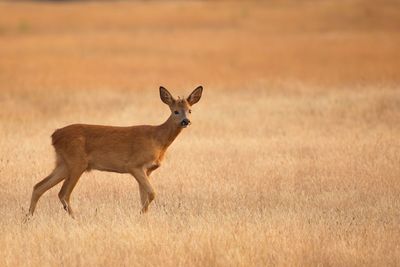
(292, 159)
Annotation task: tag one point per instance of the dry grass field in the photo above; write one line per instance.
(293, 158)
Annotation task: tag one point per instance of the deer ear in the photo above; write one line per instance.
(166, 96)
(195, 96)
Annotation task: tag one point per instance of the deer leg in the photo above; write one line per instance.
(143, 195)
(151, 169)
(76, 169)
(147, 193)
(61, 194)
(58, 174)
(66, 190)
(142, 189)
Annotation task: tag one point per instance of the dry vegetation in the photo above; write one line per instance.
(293, 157)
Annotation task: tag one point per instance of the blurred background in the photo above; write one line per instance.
(136, 45)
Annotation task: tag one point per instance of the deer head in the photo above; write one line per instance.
(180, 108)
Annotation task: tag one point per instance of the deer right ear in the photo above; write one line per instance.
(195, 96)
(166, 96)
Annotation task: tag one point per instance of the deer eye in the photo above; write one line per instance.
(190, 111)
(176, 112)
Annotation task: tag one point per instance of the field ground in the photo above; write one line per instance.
(293, 158)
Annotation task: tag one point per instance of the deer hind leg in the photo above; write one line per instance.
(58, 174)
(77, 164)
(64, 195)
(147, 193)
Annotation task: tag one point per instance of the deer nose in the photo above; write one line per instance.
(185, 122)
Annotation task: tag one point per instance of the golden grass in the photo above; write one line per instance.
(293, 157)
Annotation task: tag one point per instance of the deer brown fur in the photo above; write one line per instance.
(137, 150)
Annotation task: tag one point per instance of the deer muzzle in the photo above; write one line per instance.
(185, 123)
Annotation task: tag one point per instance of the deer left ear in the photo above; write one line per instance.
(166, 96)
(195, 96)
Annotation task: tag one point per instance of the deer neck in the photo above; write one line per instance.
(167, 132)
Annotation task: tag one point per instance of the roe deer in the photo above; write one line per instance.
(137, 150)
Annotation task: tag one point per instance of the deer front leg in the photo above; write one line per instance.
(147, 193)
(143, 197)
